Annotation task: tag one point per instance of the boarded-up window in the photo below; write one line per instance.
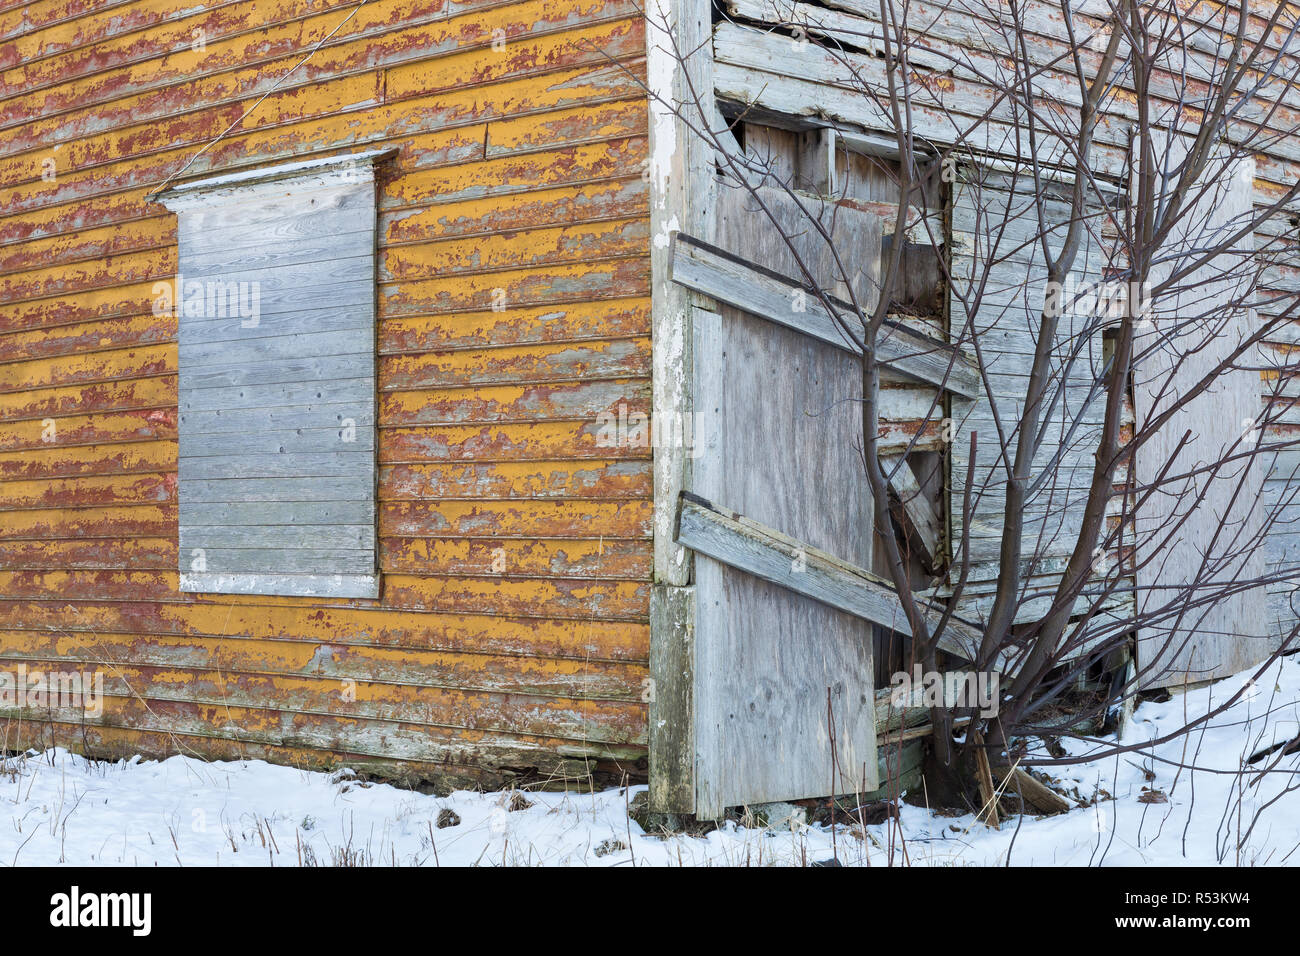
(275, 307)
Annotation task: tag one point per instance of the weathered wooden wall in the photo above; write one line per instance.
(758, 67)
(517, 183)
(774, 407)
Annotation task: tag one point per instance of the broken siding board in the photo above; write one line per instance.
(341, 390)
(254, 256)
(763, 552)
(757, 67)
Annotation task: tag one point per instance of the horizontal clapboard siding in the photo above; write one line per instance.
(511, 630)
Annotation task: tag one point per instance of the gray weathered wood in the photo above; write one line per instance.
(358, 464)
(290, 560)
(965, 38)
(671, 726)
(757, 291)
(313, 369)
(341, 439)
(917, 507)
(280, 417)
(275, 302)
(202, 260)
(765, 657)
(1232, 632)
(356, 267)
(763, 552)
(271, 349)
(300, 585)
(278, 394)
(233, 514)
(755, 67)
(343, 315)
(327, 293)
(298, 535)
(234, 490)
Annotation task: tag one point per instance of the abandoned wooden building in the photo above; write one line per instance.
(329, 336)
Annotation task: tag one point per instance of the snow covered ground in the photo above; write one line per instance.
(57, 808)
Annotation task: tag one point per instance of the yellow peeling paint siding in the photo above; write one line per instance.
(512, 632)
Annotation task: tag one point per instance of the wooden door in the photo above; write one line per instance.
(784, 686)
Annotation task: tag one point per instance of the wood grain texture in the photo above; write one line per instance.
(223, 270)
(504, 528)
(1006, 321)
(766, 659)
(918, 511)
(1197, 532)
(733, 281)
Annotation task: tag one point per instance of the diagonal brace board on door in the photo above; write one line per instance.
(766, 553)
(714, 272)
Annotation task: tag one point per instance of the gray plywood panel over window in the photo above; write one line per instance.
(275, 307)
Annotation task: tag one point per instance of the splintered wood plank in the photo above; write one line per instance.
(1196, 533)
(917, 508)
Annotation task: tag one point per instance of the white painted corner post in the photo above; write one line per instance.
(682, 190)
